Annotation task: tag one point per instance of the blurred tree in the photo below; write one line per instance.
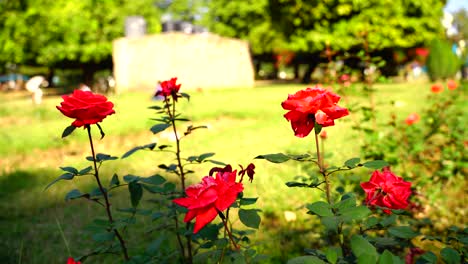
(68, 33)
(460, 19)
(307, 26)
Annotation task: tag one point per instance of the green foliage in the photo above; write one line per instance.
(51, 32)
(442, 63)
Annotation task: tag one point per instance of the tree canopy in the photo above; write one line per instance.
(308, 25)
(54, 32)
(49, 32)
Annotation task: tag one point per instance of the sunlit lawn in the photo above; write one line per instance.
(242, 123)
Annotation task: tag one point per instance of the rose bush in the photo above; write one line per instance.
(87, 108)
(386, 190)
(310, 106)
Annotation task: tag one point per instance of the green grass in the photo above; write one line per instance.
(242, 124)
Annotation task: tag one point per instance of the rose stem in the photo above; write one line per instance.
(230, 234)
(106, 198)
(181, 171)
(322, 171)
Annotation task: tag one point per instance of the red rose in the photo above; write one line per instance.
(212, 195)
(412, 119)
(169, 88)
(86, 107)
(452, 85)
(437, 88)
(312, 105)
(385, 189)
(72, 261)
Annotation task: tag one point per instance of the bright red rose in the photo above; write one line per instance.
(212, 195)
(387, 190)
(86, 107)
(312, 105)
(437, 88)
(72, 261)
(412, 119)
(452, 85)
(169, 88)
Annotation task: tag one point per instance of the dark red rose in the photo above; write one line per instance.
(169, 88)
(387, 190)
(412, 119)
(72, 261)
(250, 170)
(212, 195)
(312, 105)
(437, 88)
(85, 107)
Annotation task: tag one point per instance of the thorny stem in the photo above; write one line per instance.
(171, 114)
(106, 197)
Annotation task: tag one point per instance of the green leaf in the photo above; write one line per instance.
(248, 201)
(135, 149)
(388, 258)
(85, 170)
(450, 255)
(352, 163)
(331, 223)
(390, 220)
(320, 208)
(156, 216)
(103, 157)
(375, 164)
(114, 181)
(131, 178)
(250, 217)
(354, 213)
(97, 192)
(367, 259)
(65, 176)
(70, 170)
(159, 128)
(153, 189)
(275, 158)
(297, 184)
(332, 255)
(67, 131)
(74, 194)
(371, 222)
(305, 260)
(427, 257)
(136, 192)
(360, 246)
(402, 232)
(317, 128)
(103, 237)
(205, 155)
(155, 107)
(154, 180)
(185, 95)
(346, 202)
